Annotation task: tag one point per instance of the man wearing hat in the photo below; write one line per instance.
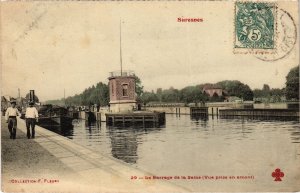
(11, 118)
(31, 116)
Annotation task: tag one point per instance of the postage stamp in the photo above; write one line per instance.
(255, 25)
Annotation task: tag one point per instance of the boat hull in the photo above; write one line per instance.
(55, 120)
(62, 120)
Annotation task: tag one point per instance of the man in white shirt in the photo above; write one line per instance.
(11, 118)
(31, 116)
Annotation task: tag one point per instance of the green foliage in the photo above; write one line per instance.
(190, 94)
(170, 95)
(139, 88)
(98, 94)
(59, 102)
(92, 95)
(292, 84)
(236, 88)
(193, 94)
(268, 95)
(258, 93)
(216, 98)
(266, 88)
(149, 97)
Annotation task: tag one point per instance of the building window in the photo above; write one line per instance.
(112, 88)
(125, 89)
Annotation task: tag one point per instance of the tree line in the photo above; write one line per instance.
(290, 92)
(99, 93)
(96, 94)
(196, 94)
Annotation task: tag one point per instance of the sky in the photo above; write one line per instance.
(52, 46)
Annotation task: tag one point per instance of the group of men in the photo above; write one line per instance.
(31, 116)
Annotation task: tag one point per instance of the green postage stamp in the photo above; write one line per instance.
(255, 25)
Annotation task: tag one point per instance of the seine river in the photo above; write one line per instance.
(212, 147)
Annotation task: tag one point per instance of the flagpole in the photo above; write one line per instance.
(121, 48)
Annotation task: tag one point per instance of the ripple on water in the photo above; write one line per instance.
(182, 137)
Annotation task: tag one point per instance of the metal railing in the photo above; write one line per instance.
(123, 73)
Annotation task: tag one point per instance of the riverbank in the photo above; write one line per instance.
(52, 163)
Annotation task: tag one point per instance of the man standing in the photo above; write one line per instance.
(11, 118)
(31, 116)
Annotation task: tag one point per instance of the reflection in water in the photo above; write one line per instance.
(185, 139)
(91, 124)
(295, 134)
(200, 120)
(66, 130)
(195, 117)
(92, 129)
(244, 130)
(124, 142)
(248, 125)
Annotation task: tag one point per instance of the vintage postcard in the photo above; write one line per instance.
(150, 96)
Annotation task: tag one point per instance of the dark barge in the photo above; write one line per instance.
(54, 115)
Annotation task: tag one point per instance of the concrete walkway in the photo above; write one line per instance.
(52, 163)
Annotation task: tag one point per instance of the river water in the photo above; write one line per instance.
(197, 147)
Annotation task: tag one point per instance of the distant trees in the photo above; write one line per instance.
(290, 92)
(276, 94)
(149, 97)
(159, 93)
(266, 88)
(189, 94)
(195, 94)
(292, 84)
(98, 94)
(266, 94)
(139, 88)
(217, 98)
(192, 94)
(236, 88)
(170, 95)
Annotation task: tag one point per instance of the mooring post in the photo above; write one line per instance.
(144, 120)
(153, 120)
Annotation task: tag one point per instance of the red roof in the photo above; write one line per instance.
(211, 86)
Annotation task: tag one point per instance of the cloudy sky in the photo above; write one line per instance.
(52, 46)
